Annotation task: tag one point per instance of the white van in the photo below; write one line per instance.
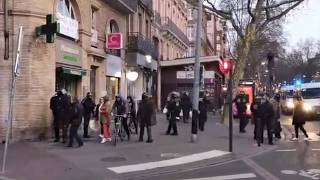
(311, 97)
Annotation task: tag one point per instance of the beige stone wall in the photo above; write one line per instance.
(36, 84)
(176, 12)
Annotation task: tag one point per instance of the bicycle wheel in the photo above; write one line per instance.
(115, 136)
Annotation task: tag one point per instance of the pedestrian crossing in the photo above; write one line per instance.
(170, 162)
(312, 135)
(228, 177)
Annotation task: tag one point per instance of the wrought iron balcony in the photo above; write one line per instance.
(170, 26)
(139, 43)
(157, 17)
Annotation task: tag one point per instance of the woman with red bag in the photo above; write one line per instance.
(105, 118)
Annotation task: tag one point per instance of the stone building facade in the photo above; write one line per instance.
(78, 59)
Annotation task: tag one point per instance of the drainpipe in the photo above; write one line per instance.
(6, 31)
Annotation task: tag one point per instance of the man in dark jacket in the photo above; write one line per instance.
(61, 106)
(203, 110)
(145, 113)
(265, 113)
(241, 102)
(53, 107)
(174, 110)
(120, 108)
(186, 106)
(75, 122)
(88, 106)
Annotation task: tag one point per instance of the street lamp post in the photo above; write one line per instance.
(196, 82)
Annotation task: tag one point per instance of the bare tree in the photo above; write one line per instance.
(250, 18)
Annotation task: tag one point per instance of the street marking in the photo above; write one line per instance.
(289, 172)
(311, 173)
(5, 178)
(315, 149)
(170, 162)
(229, 177)
(260, 170)
(286, 150)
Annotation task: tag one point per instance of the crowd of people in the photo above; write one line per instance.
(177, 107)
(68, 114)
(266, 113)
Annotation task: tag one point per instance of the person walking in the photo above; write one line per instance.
(119, 108)
(174, 110)
(299, 119)
(186, 106)
(256, 117)
(61, 105)
(276, 126)
(203, 110)
(75, 122)
(97, 116)
(105, 118)
(145, 113)
(266, 115)
(53, 107)
(241, 103)
(88, 105)
(132, 112)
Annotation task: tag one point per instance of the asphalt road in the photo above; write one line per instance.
(289, 160)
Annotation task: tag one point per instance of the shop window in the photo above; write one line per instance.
(93, 75)
(94, 18)
(147, 29)
(140, 23)
(65, 8)
(112, 87)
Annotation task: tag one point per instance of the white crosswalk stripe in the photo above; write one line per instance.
(170, 162)
(228, 177)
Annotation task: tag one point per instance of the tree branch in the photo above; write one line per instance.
(249, 10)
(224, 14)
(267, 10)
(282, 3)
(283, 13)
(227, 16)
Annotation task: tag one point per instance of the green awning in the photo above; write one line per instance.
(77, 72)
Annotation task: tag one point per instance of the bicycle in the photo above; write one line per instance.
(118, 129)
(131, 125)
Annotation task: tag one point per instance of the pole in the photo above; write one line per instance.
(230, 115)
(16, 73)
(196, 80)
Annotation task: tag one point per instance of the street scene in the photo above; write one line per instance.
(159, 89)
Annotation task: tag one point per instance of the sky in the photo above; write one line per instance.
(303, 23)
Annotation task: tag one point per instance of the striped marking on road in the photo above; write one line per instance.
(315, 149)
(228, 177)
(286, 150)
(5, 178)
(170, 162)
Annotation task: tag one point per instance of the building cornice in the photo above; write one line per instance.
(184, 61)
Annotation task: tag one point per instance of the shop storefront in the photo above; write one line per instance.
(147, 73)
(69, 70)
(179, 76)
(114, 68)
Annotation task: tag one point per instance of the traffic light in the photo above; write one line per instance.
(49, 29)
(225, 67)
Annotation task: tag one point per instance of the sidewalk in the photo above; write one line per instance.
(51, 161)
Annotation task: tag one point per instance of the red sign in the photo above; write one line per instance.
(114, 41)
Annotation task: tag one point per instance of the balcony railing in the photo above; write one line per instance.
(157, 17)
(168, 25)
(139, 43)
